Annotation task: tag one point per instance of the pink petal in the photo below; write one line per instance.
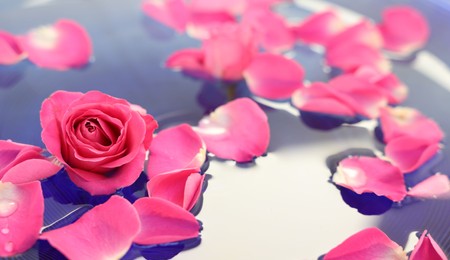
(163, 222)
(173, 13)
(370, 243)
(404, 29)
(362, 96)
(229, 51)
(427, 248)
(21, 216)
(349, 57)
(273, 76)
(320, 98)
(10, 49)
(319, 28)
(12, 154)
(364, 32)
(253, 4)
(63, 45)
(187, 60)
(182, 187)
(202, 25)
(368, 174)
(394, 89)
(436, 186)
(270, 28)
(409, 153)
(31, 170)
(105, 232)
(174, 149)
(207, 6)
(238, 130)
(406, 121)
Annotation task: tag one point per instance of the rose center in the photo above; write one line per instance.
(93, 131)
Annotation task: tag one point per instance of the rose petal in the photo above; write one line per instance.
(12, 154)
(273, 76)
(10, 49)
(370, 243)
(405, 121)
(427, 248)
(409, 153)
(176, 148)
(350, 56)
(319, 28)
(31, 170)
(173, 13)
(369, 174)
(163, 222)
(364, 32)
(203, 24)
(404, 29)
(207, 6)
(182, 187)
(238, 130)
(105, 232)
(21, 216)
(436, 186)
(61, 46)
(270, 28)
(188, 60)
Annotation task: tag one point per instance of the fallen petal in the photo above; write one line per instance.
(238, 130)
(105, 232)
(228, 6)
(63, 45)
(364, 32)
(202, 25)
(173, 13)
(273, 76)
(370, 243)
(164, 222)
(31, 170)
(176, 148)
(370, 174)
(10, 49)
(404, 29)
(436, 186)
(427, 248)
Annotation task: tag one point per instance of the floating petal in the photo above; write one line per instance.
(436, 186)
(63, 45)
(364, 32)
(427, 248)
(202, 25)
(370, 243)
(273, 76)
(404, 29)
(105, 232)
(164, 222)
(173, 13)
(238, 130)
(10, 49)
(369, 174)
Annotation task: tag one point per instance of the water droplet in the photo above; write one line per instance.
(5, 231)
(9, 246)
(7, 207)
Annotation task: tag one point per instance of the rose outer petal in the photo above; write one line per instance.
(176, 148)
(164, 222)
(238, 130)
(370, 243)
(182, 187)
(273, 76)
(427, 248)
(105, 232)
(369, 174)
(436, 186)
(21, 216)
(10, 49)
(63, 45)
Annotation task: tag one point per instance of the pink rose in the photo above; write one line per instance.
(100, 139)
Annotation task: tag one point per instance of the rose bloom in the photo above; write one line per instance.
(101, 140)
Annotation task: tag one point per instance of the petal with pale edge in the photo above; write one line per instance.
(370, 243)
(202, 25)
(10, 49)
(21, 216)
(409, 153)
(404, 29)
(436, 186)
(182, 187)
(238, 130)
(319, 28)
(173, 13)
(427, 248)
(105, 232)
(176, 148)
(273, 76)
(370, 174)
(63, 45)
(163, 222)
(364, 32)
